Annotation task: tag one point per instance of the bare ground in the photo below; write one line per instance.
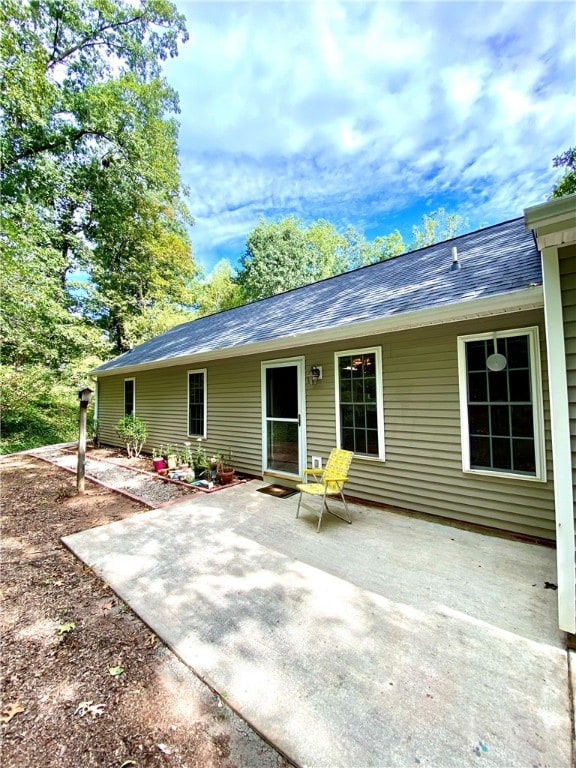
(83, 680)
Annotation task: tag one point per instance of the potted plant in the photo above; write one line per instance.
(158, 459)
(224, 469)
(201, 463)
(171, 456)
(186, 457)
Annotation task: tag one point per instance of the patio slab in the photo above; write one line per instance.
(392, 642)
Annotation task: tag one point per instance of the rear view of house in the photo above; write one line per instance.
(432, 367)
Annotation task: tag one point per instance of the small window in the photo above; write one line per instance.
(197, 403)
(129, 397)
(359, 416)
(501, 403)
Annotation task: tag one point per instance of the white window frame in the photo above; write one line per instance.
(133, 380)
(537, 404)
(204, 373)
(377, 352)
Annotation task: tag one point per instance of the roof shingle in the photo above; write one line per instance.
(496, 260)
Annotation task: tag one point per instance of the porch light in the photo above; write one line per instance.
(315, 374)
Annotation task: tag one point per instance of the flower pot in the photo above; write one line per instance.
(172, 461)
(159, 464)
(225, 476)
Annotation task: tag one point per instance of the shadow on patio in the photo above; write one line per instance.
(391, 642)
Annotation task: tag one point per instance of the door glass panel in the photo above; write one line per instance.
(282, 392)
(283, 446)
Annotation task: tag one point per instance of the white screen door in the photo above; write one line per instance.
(283, 396)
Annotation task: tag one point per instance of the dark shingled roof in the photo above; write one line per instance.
(495, 260)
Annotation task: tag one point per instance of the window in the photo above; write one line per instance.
(197, 403)
(501, 403)
(359, 416)
(129, 397)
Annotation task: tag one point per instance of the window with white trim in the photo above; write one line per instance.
(501, 403)
(359, 413)
(197, 426)
(129, 397)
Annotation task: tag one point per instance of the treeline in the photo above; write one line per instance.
(94, 228)
(94, 244)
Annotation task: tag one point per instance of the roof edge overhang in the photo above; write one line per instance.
(501, 304)
(554, 222)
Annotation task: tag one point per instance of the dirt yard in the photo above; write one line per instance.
(84, 682)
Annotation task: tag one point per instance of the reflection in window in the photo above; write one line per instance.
(129, 397)
(358, 402)
(501, 404)
(197, 403)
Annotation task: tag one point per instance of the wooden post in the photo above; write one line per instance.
(84, 396)
(81, 448)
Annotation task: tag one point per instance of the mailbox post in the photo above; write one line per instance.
(84, 396)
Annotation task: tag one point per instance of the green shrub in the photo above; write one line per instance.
(133, 432)
(38, 408)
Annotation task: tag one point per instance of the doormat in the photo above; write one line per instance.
(279, 491)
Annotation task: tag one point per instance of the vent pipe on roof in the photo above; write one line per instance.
(455, 263)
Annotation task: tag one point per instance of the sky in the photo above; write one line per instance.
(369, 113)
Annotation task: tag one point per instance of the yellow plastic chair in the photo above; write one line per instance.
(328, 482)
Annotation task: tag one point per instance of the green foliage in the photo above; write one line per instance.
(566, 185)
(39, 407)
(90, 179)
(219, 291)
(285, 254)
(133, 432)
(436, 227)
(276, 259)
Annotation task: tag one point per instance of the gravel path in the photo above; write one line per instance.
(151, 490)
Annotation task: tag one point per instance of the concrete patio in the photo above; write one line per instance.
(394, 641)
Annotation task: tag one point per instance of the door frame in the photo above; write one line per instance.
(285, 362)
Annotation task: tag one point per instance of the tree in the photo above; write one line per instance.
(219, 291)
(93, 234)
(388, 246)
(566, 185)
(436, 227)
(87, 146)
(328, 249)
(276, 259)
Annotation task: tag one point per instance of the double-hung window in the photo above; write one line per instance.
(359, 414)
(501, 403)
(129, 397)
(197, 426)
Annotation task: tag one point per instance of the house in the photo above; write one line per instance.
(554, 225)
(432, 367)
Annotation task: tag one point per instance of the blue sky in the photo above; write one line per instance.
(369, 113)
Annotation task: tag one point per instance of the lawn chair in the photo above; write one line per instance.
(328, 482)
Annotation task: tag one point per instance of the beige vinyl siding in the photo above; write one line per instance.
(423, 467)
(233, 410)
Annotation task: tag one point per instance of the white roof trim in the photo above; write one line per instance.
(517, 301)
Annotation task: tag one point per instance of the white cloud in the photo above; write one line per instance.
(353, 111)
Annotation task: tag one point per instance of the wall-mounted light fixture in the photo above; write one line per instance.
(315, 374)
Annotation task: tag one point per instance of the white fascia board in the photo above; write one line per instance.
(554, 222)
(561, 448)
(554, 212)
(502, 304)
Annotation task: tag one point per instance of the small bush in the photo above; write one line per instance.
(38, 408)
(133, 433)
